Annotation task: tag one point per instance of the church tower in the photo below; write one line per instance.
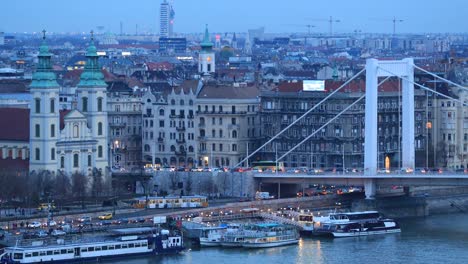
(44, 114)
(92, 102)
(206, 58)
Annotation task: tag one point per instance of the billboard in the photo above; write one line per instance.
(313, 85)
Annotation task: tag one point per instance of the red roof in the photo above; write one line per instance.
(15, 124)
(331, 85)
(159, 66)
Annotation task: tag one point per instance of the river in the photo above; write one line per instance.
(434, 239)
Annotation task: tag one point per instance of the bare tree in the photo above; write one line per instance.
(188, 184)
(96, 187)
(79, 182)
(174, 177)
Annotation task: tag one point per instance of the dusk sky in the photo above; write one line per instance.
(226, 16)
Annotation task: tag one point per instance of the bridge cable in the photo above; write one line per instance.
(329, 121)
(302, 116)
(426, 88)
(441, 78)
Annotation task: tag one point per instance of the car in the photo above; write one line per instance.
(104, 223)
(85, 223)
(41, 233)
(57, 232)
(140, 220)
(437, 170)
(65, 227)
(29, 235)
(106, 216)
(121, 221)
(406, 170)
(383, 170)
(50, 223)
(84, 219)
(35, 224)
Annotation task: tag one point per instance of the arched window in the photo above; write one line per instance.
(99, 104)
(173, 148)
(52, 130)
(75, 160)
(190, 102)
(147, 148)
(213, 133)
(182, 102)
(220, 108)
(100, 151)
(190, 149)
(202, 132)
(62, 162)
(234, 134)
(76, 132)
(52, 105)
(234, 147)
(161, 112)
(89, 160)
(202, 121)
(99, 125)
(52, 154)
(37, 104)
(84, 103)
(172, 102)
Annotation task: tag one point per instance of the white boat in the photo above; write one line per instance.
(376, 227)
(272, 235)
(211, 236)
(59, 251)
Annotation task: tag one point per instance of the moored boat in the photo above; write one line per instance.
(211, 236)
(60, 251)
(273, 235)
(376, 227)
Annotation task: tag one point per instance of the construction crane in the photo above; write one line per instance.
(394, 21)
(330, 21)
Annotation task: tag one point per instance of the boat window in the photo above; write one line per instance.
(137, 244)
(70, 250)
(104, 247)
(56, 252)
(131, 245)
(98, 248)
(18, 256)
(35, 254)
(63, 251)
(49, 252)
(118, 246)
(84, 249)
(42, 253)
(111, 247)
(28, 255)
(144, 244)
(91, 249)
(124, 246)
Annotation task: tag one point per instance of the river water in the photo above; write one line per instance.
(434, 239)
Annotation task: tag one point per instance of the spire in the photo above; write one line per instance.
(92, 75)
(44, 76)
(206, 44)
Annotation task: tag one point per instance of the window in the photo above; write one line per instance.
(234, 134)
(182, 102)
(38, 105)
(234, 147)
(233, 121)
(52, 130)
(99, 129)
(89, 160)
(220, 120)
(84, 104)
(209, 67)
(75, 160)
(100, 151)
(213, 121)
(220, 133)
(161, 112)
(38, 130)
(172, 102)
(213, 133)
(213, 147)
(75, 131)
(38, 154)
(99, 104)
(52, 105)
(52, 153)
(62, 162)
(161, 123)
(220, 147)
(233, 109)
(190, 102)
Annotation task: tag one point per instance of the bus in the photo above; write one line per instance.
(268, 165)
(172, 202)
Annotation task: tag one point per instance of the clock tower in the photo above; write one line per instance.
(206, 58)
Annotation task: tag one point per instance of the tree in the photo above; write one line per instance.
(188, 184)
(62, 185)
(96, 187)
(174, 177)
(79, 182)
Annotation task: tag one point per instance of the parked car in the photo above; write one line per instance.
(29, 235)
(121, 221)
(84, 219)
(57, 232)
(105, 223)
(42, 233)
(50, 223)
(34, 224)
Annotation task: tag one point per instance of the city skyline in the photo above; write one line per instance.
(368, 17)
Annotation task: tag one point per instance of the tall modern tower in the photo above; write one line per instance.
(44, 114)
(166, 20)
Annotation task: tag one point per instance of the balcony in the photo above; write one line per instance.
(180, 153)
(181, 116)
(232, 126)
(180, 129)
(173, 116)
(202, 138)
(190, 116)
(201, 125)
(117, 124)
(180, 141)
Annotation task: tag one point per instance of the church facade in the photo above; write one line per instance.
(78, 142)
